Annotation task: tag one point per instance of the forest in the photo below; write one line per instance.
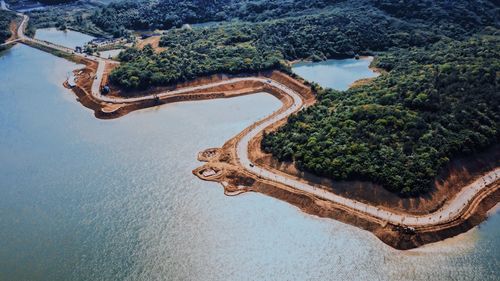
(440, 98)
(438, 102)
(165, 14)
(337, 30)
(5, 20)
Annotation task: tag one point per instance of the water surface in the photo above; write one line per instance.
(87, 199)
(335, 74)
(67, 38)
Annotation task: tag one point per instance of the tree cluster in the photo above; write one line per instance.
(438, 102)
(75, 16)
(180, 62)
(165, 14)
(5, 20)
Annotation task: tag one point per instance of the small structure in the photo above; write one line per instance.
(78, 49)
(105, 90)
(208, 173)
(100, 42)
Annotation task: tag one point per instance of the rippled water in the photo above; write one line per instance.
(67, 38)
(335, 74)
(87, 199)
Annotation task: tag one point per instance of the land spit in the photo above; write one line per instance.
(222, 164)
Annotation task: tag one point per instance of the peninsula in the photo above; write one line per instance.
(245, 163)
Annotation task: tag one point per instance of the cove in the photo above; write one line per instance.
(335, 74)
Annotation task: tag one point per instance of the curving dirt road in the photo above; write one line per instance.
(451, 210)
(455, 207)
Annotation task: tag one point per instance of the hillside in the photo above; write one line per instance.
(439, 100)
(329, 30)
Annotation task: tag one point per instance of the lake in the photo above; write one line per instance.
(335, 74)
(67, 38)
(89, 199)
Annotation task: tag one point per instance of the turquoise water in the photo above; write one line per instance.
(335, 74)
(87, 199)
(67, 38)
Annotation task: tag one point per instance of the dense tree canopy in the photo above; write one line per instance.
(75, 16)
(437, 102)
(180, 62)
(335, 29)
(456, 16)
(5, 20)
(165, 14)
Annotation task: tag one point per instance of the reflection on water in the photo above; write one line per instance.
(67, 38)
(87, 199)
(335, 74)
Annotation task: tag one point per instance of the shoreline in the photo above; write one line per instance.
(223, 167)
(226, 168)
(235, 181)
(357, 83)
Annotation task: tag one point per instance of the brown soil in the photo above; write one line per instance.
(154, 41)
(366, 81)
(107, 70)
(236, 180)
(390, 234)
(13, 30)
(460, 172)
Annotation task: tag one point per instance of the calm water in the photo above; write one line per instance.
(87, 199)
(335, 74)
(67, 38)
